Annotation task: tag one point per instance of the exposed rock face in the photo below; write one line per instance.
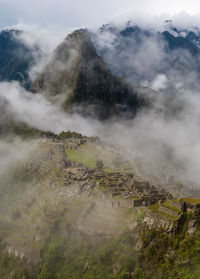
(159, 222)
(173, 216)
(77, 75)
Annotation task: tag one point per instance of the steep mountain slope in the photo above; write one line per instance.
(77, 75)
(141, 55)
(16, 58)
(72, 206)
(58, 187)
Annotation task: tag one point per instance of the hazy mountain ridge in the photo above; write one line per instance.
(173, 52)
(140, 54)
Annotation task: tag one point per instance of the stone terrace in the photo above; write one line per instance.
(131, 187)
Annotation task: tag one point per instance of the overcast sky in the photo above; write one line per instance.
(73, 13)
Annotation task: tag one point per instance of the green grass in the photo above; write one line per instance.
(89, 153)
(156, 209)
(81, 157)
(134, 198)
(168, 205)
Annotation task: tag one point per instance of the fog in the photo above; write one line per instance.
(145, 58)
(167, 135)
(38, 112)
(13, 154)
(151, 136)
(41, 41)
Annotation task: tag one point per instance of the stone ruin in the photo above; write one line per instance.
(115, 185)
(128, 186)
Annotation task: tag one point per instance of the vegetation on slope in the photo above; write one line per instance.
(69, 253)
(167, 257)
(79, 256)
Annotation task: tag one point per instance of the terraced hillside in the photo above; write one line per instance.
(76, 180)
(73, 193)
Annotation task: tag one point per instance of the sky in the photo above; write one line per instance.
(85, 13)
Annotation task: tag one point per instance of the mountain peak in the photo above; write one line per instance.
(80, 41)
(78, 35)
(77, 75)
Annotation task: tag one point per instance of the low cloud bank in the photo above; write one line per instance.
(152, 136)
(166, 135)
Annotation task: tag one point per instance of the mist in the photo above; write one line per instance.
(152, 137)
(143, 56)
(70, 205)
(38, 112)
(164, 137)
(42, 43)
(13, 153)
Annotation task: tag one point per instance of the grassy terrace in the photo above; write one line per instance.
(168, 205)
(156, 209)
(88, 154)
(85, 158)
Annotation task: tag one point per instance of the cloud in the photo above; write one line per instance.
(13, 155)
(144, 58)
(167, 136)
(162, 142)
(156, 139)
(159, 138)
(39, 112)
(159, 83)
(41, 42)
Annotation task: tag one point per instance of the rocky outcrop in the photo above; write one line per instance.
(156, 221)
(174, 216)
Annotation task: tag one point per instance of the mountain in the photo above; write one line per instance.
(138, 54)
(141, 54)
(79, 80)
(16, 58)
(74, 206)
